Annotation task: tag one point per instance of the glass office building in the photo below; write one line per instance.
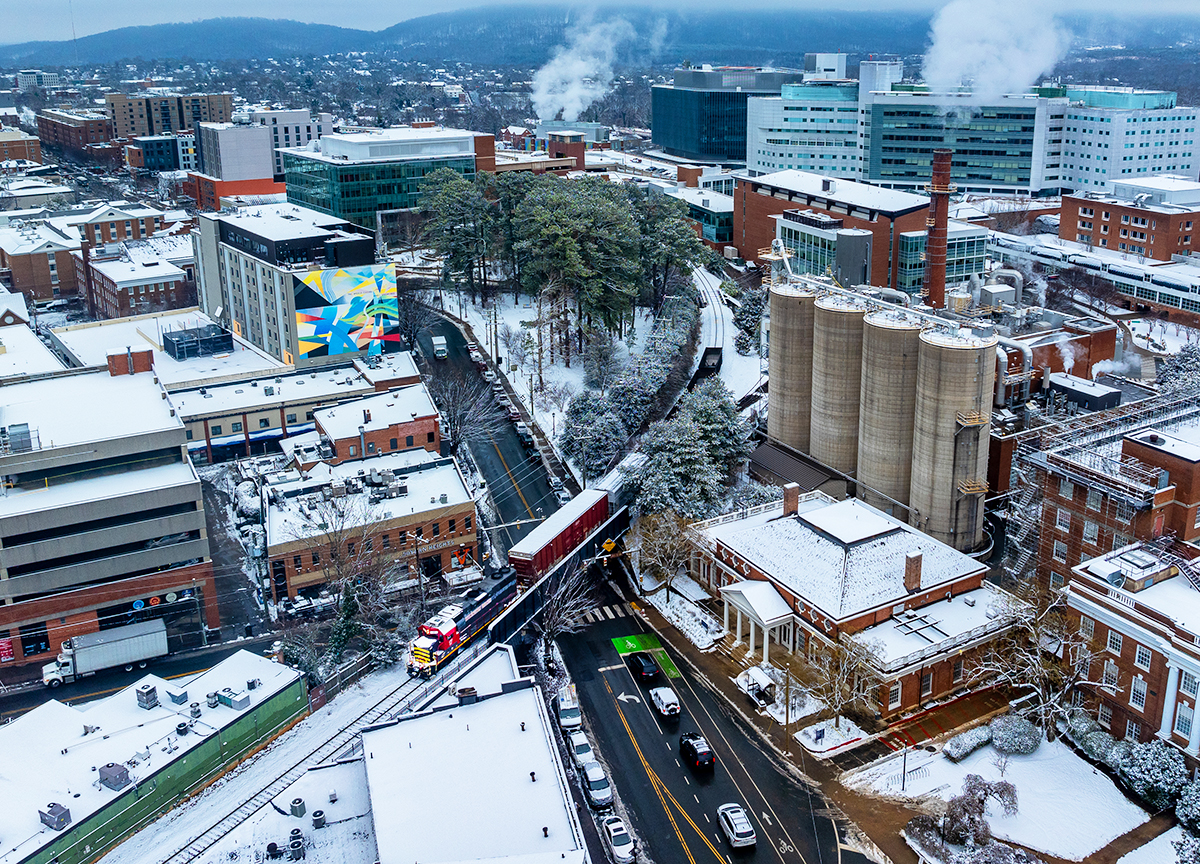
(966, 251)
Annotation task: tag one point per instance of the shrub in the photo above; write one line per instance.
(963, 745)
(1013, 734)
(1155, 773)
(1079, 724)
(1187, 808)
(1098, 744)
(1118, 755)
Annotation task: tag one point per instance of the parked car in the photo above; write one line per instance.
(595, 783)
(642, 666)
(736, 825)
(581, 750)
(666, 703)
(477, 358)
(619, 841)
(490, 377)
(472, 346)
(513, 413)
(694, 750)
(562, 496)
(569, 715)
(555, 482)
(503, 401)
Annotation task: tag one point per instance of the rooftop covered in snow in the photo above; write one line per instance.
(272, 390)
(22, 353)
(376, 413)
(850, 193)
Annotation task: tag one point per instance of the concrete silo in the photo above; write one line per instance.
(789, 364)
(890, 348)
(952, 417)
(836, 374)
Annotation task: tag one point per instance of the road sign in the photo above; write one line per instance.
(609, 545)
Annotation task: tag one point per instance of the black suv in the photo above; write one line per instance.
(695, 750)
(642, 666)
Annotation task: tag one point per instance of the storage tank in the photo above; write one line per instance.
(956, 373)
(891, 346)
(789, 365)
(836, 374)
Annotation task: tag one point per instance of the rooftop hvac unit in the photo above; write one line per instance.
(268, 391)
(55, 816)
(147, 696)
(114, 776)
(178, 697)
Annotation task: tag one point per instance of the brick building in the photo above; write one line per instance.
(401, 419)
(1155, 218)
(155, 114)
(1140, 605)
(66, 129)
(886, 213)
(16, 144)
(208, 191)
(37, 256)
(119, 220)
(120, 286)
(810, 571)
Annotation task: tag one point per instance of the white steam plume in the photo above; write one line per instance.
(996, 46)
(1130, 367)
(1067, 351)
(581, 71)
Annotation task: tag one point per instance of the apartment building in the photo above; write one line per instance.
(73, 130)
(289, 128)
(101, 512)
(810, 571)
(29, 79)
(16, 144)
(357, 175)
(160, 113)
(37, 256)
(1154, 217)
(262, 265)
(1139, 605)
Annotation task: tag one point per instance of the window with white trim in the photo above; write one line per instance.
(1094, 499)
(1104, 715)
(1066, 489)
(1141, 657)
(1111, 674)
(1091, 532)
(927, 684)
(1062, 521)
(1056, 580)
(894, 695)
(1060, 550)
(1188, 683)
(958, 670)
(1087, 626)
(1133, 730)
(1183, 719)
(1137, 693)
(1115, 641)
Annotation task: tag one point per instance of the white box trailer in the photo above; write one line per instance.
(108, 649)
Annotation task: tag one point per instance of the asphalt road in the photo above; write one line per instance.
(518, 482)
(102, 684)
(672, 810)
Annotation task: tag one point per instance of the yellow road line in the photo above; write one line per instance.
(496, 447)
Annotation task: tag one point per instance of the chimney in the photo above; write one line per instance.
(467, 696)
(791, 499)
(940, 189)
(366, 416)
(912, 572)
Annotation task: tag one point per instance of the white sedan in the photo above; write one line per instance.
(580, 748)
(619, 841)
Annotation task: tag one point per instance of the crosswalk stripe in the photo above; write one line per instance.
(620, 612)
(608, 611)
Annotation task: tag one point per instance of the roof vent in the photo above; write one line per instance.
(55, 816)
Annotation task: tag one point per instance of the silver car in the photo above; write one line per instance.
(595, 783)
(736, 825)
(620, 842)
(581, 750)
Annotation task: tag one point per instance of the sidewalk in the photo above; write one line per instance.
(880, 820)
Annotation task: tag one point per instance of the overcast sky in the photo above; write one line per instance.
(51, 19)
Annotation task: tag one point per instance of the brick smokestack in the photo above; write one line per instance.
(940, 190)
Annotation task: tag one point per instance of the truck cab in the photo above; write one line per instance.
(61, 671)
(439, 347)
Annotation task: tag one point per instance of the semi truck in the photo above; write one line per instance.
(439, 347)
(126, 646)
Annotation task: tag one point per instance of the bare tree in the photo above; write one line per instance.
(468, 408)
(1045, 652)
(836, 672)
(569, 598)
(414, 313)
(662, 545)
(556, 396)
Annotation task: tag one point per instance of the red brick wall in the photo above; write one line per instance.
(419, 429)
(30, 149)
(1167, 234)
(31, 275)
(143, 361)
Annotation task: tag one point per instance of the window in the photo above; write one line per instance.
(1104, 715)
(316, 559)
(236, 427)
(1091, 532)
(408, 441)
(429, 437)
(291, 418)
(450, 526)
(215, 430)
(420, 532)
(1137, 693)
(403, 539)
(353, 450)
(1187, 683)
(370, 446)
(1183, 719)
(263, 423)
(369, 544)
(958, 670)
(188, 433)
(308, 415)
(1066, 489)
(1060, 548)
(1115, 640)
(350, 548)
(437, 529)
(1141, 657)
(466, 523)
(1111, 674)
(296, 562)
(1133, 730)
(1062, 521)
(35, 639)
(394, 444)
(927, 684)
(387, 541)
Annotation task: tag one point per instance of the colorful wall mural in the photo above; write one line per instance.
(345, 311)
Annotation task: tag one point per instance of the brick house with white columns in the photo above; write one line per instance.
(1142, 603)
(810, 570)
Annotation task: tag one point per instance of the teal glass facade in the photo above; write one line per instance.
(964, 259)
(356, 191)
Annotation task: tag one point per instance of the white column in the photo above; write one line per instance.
(726, 614)
(766, 643)
(1168, 713)
(751, 637)
(1193, 747)
(738, 640)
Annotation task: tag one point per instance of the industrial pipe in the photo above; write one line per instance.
(893, 294)
(1018, 282)
(1001, 371)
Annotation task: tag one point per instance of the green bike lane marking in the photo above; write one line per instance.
(647, 642)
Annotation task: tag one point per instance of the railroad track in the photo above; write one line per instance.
(402, 699)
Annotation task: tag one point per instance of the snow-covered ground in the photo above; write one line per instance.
(844, 732)
(700, 628)
(1067, 808)
(1162, 336)
(1157, 851)
(804, 704)
(740, 374)
(198, 814)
